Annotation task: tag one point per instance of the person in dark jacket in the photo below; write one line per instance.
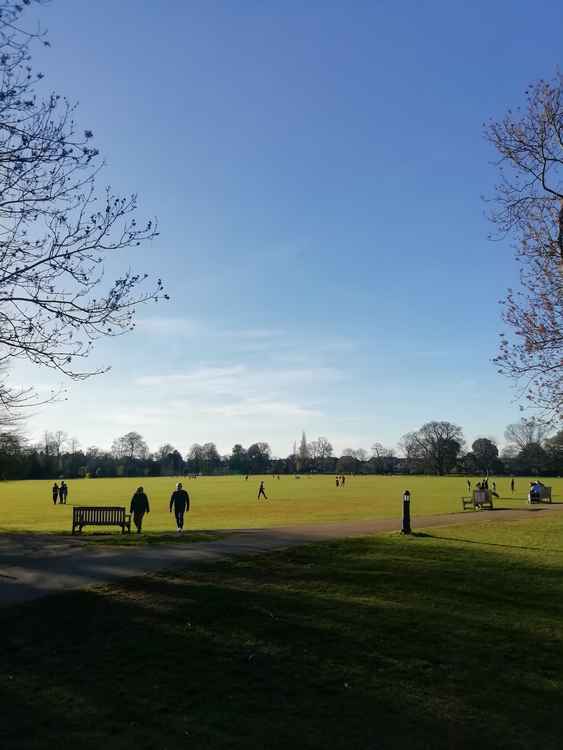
(180, 500)
(139, 506)
(63, 492)
(55, 492)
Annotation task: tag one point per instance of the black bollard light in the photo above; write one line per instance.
(406, 513)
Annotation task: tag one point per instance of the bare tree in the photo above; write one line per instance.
(131, 445)
(381, 457)
(380, 451)
(526, 432)
(319, 451)
(55, 231)
(73, 445)
(324, 448)
(528, 205)
(60, 437)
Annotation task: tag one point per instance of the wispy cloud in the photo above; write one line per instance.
(238, 390)
(240, 380)
(192, 328)
(262, 408)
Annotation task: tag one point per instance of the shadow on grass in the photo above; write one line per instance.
(149, 538)
(489, 544)
(369, 643)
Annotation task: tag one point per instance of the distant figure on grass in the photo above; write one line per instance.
(337, 482)
(343, 480)
(261, 491)
(63, 492)
(246, 478)
(139, 506)
(55, 492)
(181, 502)
(469, 485)
(512, 485)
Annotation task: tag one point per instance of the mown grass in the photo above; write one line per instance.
(230, 502)
(448, 639)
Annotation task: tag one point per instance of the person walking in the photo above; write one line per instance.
(469, 486)
(262, 491)
(63, 492)
(337, 482)
(180, 500)
(512, 485)
(55, 492)
(139, 506)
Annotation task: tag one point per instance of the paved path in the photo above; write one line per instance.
(33, 565)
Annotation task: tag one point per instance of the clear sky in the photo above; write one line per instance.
(317, 171)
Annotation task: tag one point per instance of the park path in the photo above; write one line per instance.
(34, 565)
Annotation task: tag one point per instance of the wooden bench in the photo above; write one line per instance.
(92, 515)
(479, 500)
(544, 495)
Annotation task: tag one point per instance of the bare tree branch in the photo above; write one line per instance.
(56, 231)
(528, 205)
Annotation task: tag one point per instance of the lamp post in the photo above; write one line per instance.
(406, 513)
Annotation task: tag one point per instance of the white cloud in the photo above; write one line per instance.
(262, 408)
(238, 390)
(239, 380)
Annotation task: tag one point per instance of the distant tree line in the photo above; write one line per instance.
(436, 448)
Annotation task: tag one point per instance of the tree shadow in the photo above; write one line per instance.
(481, 543)
(368, 643)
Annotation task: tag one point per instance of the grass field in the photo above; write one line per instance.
(230, 502)
(446, 640)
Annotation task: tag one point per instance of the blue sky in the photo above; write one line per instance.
(317, 172)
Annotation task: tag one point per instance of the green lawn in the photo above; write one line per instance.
(451, 639)
(230, 502)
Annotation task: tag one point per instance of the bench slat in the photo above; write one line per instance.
(99, 515)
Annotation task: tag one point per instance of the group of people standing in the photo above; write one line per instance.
(60, 493)
(340, 480)
(179, 501)
(484, 484)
